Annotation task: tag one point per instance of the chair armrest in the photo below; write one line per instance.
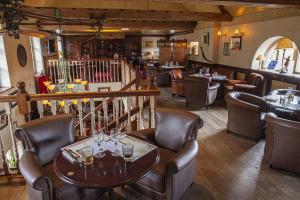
(244, 86)
(232, 82)
(33, 172)
(183, 157)
(244, 104)
(289, 124)
(146, 134)
(213, 86)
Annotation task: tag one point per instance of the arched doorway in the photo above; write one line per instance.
(277, 54)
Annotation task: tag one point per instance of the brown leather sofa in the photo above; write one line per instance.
(246, 114)
(42, 140)
(282, 148)
(200, 91)
(175, 135)
(254, 84)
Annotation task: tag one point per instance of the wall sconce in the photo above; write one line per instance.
(221, 35)
(238, 33)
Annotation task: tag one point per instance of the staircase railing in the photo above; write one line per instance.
(91, 70)
(92, 110)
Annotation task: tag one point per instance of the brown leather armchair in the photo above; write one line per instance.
(175, 135)
(246, 114)
(200, 91)
(162, 78)
(177, 82)
(42, 140)
(254, 84)
(282, 148)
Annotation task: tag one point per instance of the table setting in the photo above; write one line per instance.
(117, 143)
(288, 100)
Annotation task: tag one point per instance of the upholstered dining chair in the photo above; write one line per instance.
(254, 84)
(177, 82)
(246, 114)
(175, 135)
(200, 91)
(282, 147)
(42, 140)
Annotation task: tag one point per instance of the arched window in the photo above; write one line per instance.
(277, 54)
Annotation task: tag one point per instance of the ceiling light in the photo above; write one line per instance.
(125, 29)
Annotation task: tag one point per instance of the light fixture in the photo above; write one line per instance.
(284, 44)
(238, 33)
(261, 59)
(124, 29)
(221, 35)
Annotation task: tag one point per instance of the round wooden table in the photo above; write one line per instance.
(105, 173)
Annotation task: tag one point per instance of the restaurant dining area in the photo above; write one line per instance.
(149, 99)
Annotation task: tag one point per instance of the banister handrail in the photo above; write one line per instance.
(81, 95)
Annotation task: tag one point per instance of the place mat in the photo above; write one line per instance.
(141, 148)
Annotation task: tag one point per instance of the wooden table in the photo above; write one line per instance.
(105, 173)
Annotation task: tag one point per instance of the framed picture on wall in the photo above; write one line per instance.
(226, 49)
(236, 43)
(148, 44)
(206, 38)
(160, 43)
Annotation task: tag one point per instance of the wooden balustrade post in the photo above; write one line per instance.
(152, 110)
(4, 164)
(22, 99)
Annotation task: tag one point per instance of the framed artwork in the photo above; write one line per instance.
(148, 44)
(160, 43)
(226, 49)
(206, 38)
(236, 42)
(21, 55)
(3, 119)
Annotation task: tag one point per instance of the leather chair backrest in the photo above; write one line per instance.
(46, 136)
(196, 90)
(176, 74)
(175, 127)
(255, 79)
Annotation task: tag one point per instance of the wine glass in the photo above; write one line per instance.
(114, 136)
(98, 138)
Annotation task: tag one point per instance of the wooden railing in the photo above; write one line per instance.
(92, 70)
(93, 111)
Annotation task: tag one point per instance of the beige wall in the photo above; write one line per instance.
(197, 35)
(16, 72)
(255, 34)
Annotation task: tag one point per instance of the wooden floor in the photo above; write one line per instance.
(229, 167)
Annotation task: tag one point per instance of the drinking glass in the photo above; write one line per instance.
(98, 138)
(127, 151)
(114, 136)
(87, 155)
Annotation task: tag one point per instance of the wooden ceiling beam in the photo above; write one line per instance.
(115, 14)
(267, 3)
(118, 24)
